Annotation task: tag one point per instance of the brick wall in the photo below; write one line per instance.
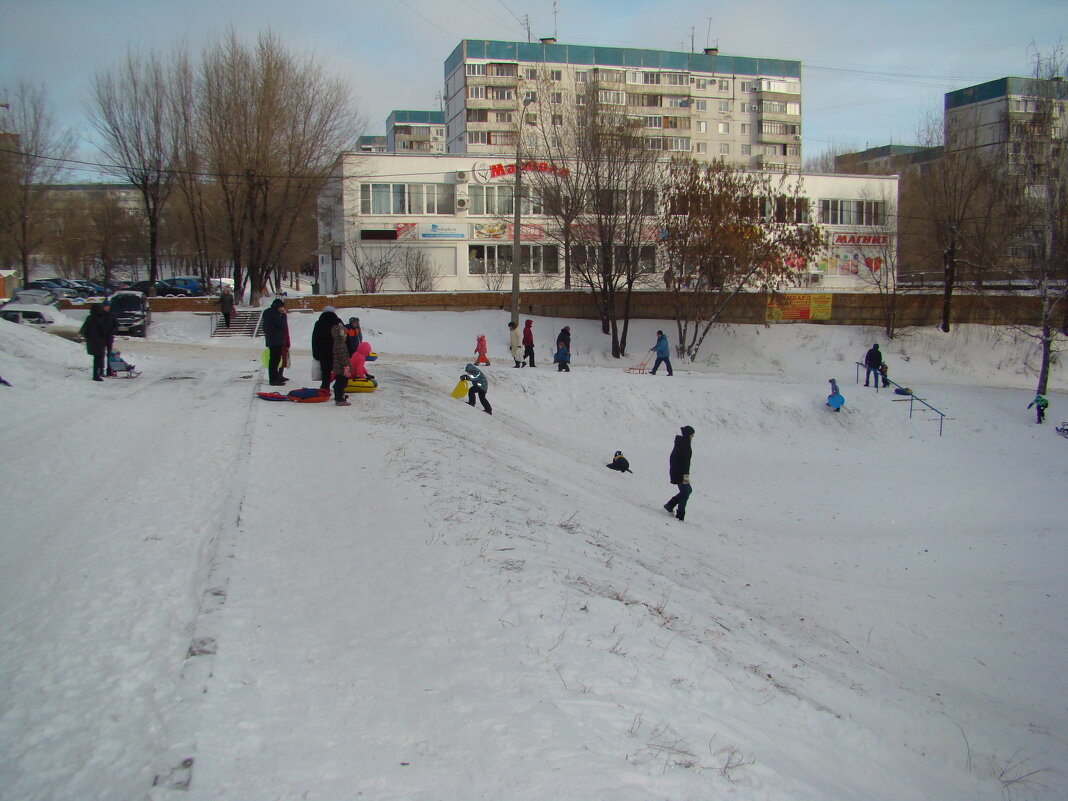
(846, 308)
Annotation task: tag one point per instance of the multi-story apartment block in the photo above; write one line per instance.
(992, 118)
(744, 110)
(371, 144)
(415, 132)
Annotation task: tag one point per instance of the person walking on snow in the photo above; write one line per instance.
(872, 360)
(340, 366)
(563, 350)
(663, 353)
(528, 341)
(226, 304)
(480, 350)
(322, 344)
(1040, 403)
(679, 473)
(513, 344)
(479, 387)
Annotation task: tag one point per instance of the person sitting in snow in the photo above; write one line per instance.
(358, 361)
(620, 463)
(479, 387)
(835, 400)
(480, 350)
(1040, 403)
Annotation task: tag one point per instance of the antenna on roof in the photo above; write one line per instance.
(554, 18)
(691, 38)
(708, 33)
(526, 24)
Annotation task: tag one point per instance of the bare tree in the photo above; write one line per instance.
(132, 111)
(877, 245)
(416, 271)
(724, 231)
(1036, 182)
(33, 153)
(371, 265)
(953, 216)
(273, 123)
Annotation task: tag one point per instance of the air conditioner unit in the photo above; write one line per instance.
(461, 177)
(462, 203)
(797, 138)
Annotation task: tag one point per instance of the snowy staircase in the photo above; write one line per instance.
(243, 323)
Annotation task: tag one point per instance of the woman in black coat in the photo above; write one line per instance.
(98, 333)
(322, 343)
(679, 473)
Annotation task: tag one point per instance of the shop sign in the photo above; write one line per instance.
(442, 231)
(501, 170)
(860, 239)
(800, 307)
(504, 232)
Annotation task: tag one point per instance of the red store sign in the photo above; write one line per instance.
(860, 239)
(500, 170)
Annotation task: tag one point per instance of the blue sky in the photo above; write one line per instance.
(871, 71)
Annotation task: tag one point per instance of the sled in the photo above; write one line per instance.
(902, 391)
(118, 367)
(638, 369)
(836, 402)
(1062, 429)
(302, 395)
(460, 390)
(361, 385)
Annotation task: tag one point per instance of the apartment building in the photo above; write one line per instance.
(992, 118)
(455, 214)
(708, 105)
(415, 132)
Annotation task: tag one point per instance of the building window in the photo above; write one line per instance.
(501, 93)
(702, 147)
(476, 69)
(504, 116)
(530, 96)
(700, 105)
(744, 128)
(530, 73)
(725, 106)
(556, 98)
(674, 79)
(745, 86)
(483, 259)
(783, 87)
(724, 85)
(612, 98)
(677, 102)
(747, 150)
(679, 144)
(478, 137)
(852, 212)
(558, 119)
(724, 127)
(653, 122)
(556, 75)
(505, 70)
(702, 126)
(407, 199)
(476, 92)
(477, 115)
(582, 77)
(793, 150)
(701, 84)
(724, 149)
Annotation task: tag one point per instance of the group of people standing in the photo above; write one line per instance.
(522, 347)
(341, 352)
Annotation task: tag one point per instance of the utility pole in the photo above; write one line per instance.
(517, 202)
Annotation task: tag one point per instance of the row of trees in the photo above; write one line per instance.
(228, 152)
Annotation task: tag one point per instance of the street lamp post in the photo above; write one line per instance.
(517, 202)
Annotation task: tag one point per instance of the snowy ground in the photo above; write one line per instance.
(410, 599)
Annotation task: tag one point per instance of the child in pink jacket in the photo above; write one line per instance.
(356, 362)
(480, 350)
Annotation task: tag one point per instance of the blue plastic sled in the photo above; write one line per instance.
(836, 401)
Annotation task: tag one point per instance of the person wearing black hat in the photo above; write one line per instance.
(322, 344)
(275, 336)
(873, 359)
(663, 353)
(620, 463)
(679, 473)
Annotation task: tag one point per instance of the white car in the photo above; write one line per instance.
(44, 318)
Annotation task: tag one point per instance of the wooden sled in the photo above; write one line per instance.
(638, 369)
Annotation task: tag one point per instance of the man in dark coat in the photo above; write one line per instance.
(873, 359)
(226, 304)
(322, 343)
(679, 473)
(98, 333)
(275, 335)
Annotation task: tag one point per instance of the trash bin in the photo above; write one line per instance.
(315, 287)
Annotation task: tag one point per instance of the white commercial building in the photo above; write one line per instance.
(452, 217)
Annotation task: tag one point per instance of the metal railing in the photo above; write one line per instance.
(913, 400)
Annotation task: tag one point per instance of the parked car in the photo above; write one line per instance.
(90, 289)
(186, 282)
(44, 318)
(131, 312)
(77, 289)
(55, 288)
(163, 290)
(36, 297)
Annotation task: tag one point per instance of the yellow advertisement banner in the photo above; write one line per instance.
(787, 308)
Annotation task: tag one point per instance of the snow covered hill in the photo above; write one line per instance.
(411, 599)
